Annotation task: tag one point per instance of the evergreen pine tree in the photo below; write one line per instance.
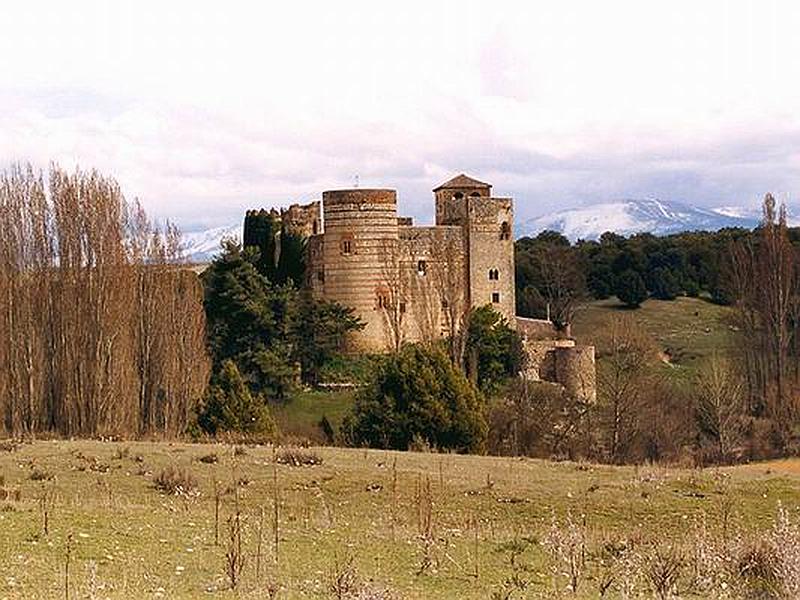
(630, 289)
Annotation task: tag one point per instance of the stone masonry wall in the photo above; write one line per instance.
(360, 232)
(491, 249)
(558, 359)
(424, 255)
(302, 219)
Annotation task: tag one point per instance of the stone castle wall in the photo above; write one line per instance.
(429, 257)
(410, 283)
(491, 255)
(367, 258)
(575, 370)
(304, 220)
(555, 357)
(360, 238)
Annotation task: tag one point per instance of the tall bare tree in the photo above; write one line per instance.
(763, 277)
(562, 281)
(720, 406)
(425, 303)
(394, 292)
(450, 282)
(103, 327)
(626, 353)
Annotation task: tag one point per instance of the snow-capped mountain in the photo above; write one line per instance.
(202, 246)
(626, 217)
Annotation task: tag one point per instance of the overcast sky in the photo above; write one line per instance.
(204, 109)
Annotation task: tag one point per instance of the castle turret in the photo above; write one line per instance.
(488, 237)
(360, 231)
(575, 370)
(451, 198)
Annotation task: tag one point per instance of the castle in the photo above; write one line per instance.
(412, 283)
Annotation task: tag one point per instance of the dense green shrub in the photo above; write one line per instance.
(418, 393)
(664, 285)
(273, 334)
(230, 406)
(494, 351)
(630, 289)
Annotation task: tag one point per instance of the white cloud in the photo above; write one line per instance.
(203, 109)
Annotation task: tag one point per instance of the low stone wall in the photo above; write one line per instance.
(576, 371)
(555, 358)
(536, 329)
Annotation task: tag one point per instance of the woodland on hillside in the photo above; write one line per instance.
(743, 402)
(551, 270)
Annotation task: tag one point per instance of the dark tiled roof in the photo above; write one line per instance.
(462, 181)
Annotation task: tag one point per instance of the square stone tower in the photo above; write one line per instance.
(487, 224)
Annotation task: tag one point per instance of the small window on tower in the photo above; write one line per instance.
(402, 307)
(383, 301)
(494, 274)
(321, 276)
(496, 297)
(422, 267)
(347, 246)
(315, 227)
(505, 231)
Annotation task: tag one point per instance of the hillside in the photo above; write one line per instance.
(130, 540)
(688, 330)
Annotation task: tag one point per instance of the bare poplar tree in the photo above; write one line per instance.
(763, 277)
(450, 282)
(100, 321)
(393, 296)
(626, 352)
(720, 404)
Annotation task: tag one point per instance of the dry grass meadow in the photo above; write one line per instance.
(87, 519)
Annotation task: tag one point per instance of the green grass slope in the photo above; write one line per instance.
(132, 541)
(300, 416)
(688, 330)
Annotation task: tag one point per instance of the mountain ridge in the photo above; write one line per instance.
(630, 216)
(203, 246)
(624, 217)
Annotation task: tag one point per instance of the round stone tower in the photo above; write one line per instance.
(575, 370)
(361, 238)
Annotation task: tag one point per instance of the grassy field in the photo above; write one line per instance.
(448, 530)
(301, 415)
(687, 329)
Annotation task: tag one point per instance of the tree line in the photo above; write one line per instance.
(267, 335)
(107, 332)
(103, 326)
(552, 271)
(744, 400)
